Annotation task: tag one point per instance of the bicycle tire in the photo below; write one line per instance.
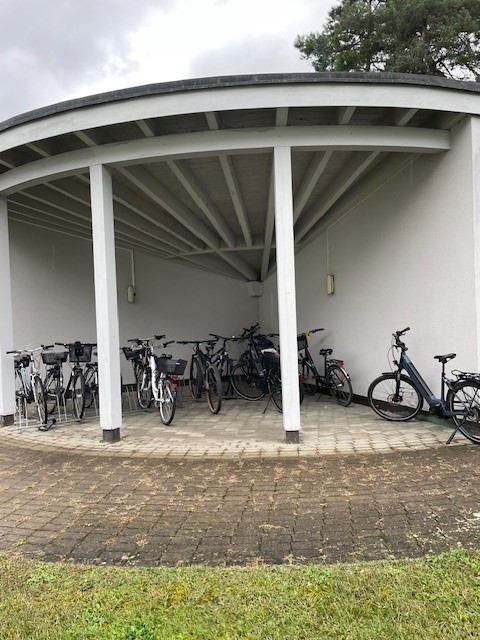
(465, 394)
(196, 378)
(52, 391)
(91, 388)
(246, 382)
(274, 382)
(144, 388)
(381, 398)
(339, 385)
(78, 394)
(40, 400)
(309, 378)
(213, 388)
(168, 403)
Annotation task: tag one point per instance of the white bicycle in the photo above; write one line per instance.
(157, 378)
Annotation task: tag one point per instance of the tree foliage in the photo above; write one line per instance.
(434, 37)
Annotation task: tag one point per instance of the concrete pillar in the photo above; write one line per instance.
(7, 374)
(475, 129)
(287, 307)
(106, 306)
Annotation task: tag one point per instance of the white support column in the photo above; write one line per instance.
(475, 131)
(106, 303)
(287, 307)
(7, 374)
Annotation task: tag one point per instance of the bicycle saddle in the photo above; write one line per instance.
(325, 352)
(445, 358)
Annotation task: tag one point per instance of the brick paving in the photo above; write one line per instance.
(130, 510)
(243, 430)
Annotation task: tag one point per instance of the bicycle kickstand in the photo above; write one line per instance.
(266, 406)
(452, 435)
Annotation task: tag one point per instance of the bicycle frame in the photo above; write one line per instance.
(405, 364)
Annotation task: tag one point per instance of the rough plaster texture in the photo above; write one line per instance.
(404, 257)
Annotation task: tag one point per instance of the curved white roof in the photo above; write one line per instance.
(191, 160)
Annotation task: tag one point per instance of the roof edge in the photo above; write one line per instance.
(220, 82)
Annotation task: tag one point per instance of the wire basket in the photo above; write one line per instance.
(78, 352)
(171, 367)
(132, 354)
(302, 342)
(50, 357)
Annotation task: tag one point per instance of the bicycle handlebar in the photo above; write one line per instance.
(400, 333)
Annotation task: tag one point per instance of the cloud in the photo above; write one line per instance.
(51, 46)
(260, 54)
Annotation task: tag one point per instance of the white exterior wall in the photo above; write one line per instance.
(53, 295)
(404, 257)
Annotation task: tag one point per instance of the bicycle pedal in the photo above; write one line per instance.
(436, 410)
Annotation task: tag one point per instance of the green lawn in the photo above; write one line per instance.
(436, 597)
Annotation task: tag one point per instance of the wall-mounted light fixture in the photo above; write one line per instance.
(131, 293)
(330, 284)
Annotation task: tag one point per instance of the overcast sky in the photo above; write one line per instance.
(54, 50)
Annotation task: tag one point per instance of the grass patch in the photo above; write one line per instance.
(435, 597)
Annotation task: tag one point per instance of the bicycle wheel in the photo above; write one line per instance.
(465, 396)
(78, 394)
(52, 390)
(91, 388)
(246, 382)
(274, 382)
(309, 377)
(168, 401)
(144, 387)
(339, 385)
(196, 378)
(392, 401)
(213, 389)
(40, 400)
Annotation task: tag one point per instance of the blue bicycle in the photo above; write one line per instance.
(396, 396)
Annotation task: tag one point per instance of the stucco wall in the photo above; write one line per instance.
(53, 295)
(402, 257)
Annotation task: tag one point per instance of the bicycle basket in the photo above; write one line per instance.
(132, 354)
(171, 367)
(50, 357)
(21, 361)
(80, 352)
(302, 342)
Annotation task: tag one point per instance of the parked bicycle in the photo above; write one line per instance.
(91, 385)
(204, 374)
(53, 381)
(399, 396)
(28, 384)
(334, 379)
(224, 363)
(257, 373)
(79, 355)
(154, 378)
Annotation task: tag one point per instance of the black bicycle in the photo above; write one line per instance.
(224, 363)
(258, 373)
(79, 354)
(399, 396)
(204, 374)
(335, 380)
(53, 381)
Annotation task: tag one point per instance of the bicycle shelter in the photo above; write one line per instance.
(247, 179)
